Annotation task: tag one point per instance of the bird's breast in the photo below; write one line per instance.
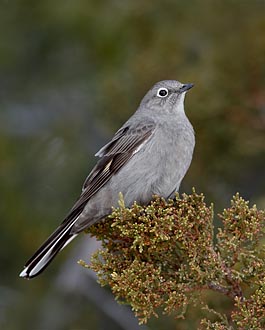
(170, 156)
(158, 167)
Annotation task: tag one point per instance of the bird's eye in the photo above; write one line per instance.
(162, 92)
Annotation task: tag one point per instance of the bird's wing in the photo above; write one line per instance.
(113, 156)
(125, 143)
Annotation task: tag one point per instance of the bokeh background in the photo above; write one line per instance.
(71, 72)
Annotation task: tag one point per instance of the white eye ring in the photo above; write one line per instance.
(162, 92)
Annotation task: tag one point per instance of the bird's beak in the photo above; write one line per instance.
(185, 87)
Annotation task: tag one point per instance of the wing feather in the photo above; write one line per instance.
(114, 155)
(124, 145)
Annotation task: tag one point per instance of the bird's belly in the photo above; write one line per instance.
(146, 176)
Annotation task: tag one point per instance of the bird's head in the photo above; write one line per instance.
(166, 96)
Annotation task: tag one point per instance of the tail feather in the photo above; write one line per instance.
(48, 250)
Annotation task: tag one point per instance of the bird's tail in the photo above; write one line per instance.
(48, 250)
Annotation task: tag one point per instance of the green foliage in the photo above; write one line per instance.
(164, 255)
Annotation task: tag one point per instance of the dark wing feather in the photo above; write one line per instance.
(113, 156)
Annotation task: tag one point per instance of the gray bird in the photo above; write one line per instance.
(149, 155)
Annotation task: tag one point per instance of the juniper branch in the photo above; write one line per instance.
(163, 256)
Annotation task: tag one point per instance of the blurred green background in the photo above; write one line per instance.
(71, 72)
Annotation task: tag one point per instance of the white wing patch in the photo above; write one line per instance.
(139, 147)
